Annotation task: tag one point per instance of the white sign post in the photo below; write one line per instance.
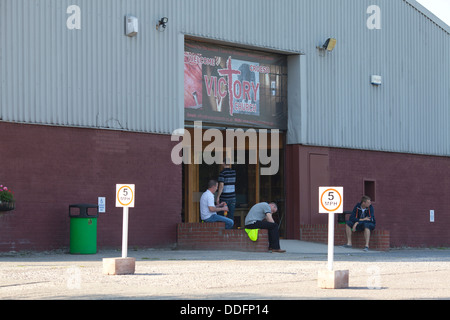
(125, 195)
(331, 201)
(125, 200)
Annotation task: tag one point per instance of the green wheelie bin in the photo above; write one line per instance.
(83, 228)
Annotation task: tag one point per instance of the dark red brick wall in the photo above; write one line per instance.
(407, 187)
(213, 236)
(50, 168)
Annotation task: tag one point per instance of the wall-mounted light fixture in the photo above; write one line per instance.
(131, 25)
(329, 45)
(162, 24)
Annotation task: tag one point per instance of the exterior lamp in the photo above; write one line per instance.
(329, 45)
(162, 24)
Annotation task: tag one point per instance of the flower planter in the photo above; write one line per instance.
(7, 205)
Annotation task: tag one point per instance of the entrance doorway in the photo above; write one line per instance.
(251, 186)
(235, 87)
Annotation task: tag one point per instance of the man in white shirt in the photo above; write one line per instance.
(208, 210)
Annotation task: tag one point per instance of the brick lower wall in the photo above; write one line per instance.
(50, 168)
(214, 236)
(379, 239)
(395, 177)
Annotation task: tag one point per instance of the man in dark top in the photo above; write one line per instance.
(227, 188)
(361, 219)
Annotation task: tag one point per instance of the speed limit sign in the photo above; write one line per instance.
(331, 199)
(125, 195)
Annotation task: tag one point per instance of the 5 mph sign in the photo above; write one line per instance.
(125, 195)
(331, 199)
(125, 200)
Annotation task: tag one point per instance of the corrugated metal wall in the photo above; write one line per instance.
(94, 77)
(97, 77)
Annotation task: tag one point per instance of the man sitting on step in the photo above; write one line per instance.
(208, 210)
(361, 219)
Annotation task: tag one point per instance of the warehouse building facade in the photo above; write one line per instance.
(352, 93)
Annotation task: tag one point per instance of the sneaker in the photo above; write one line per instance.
(366, 249)
(346, 246)
(278, 250)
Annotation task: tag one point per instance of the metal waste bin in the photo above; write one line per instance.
(83, 228)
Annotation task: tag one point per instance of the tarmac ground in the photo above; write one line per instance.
(170, 274)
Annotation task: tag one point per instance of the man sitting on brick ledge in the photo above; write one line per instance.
(260, 217)
(361, 219)
(208, 210)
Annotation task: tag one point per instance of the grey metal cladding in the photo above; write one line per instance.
(97, 77)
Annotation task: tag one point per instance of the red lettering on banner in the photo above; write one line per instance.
(246, 90)
(222, 84)
(255, 90)
(236, 90)
(228, 72)
(209, 86)
(260, 69)
(195, 58)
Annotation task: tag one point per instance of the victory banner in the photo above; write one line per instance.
(231, 86)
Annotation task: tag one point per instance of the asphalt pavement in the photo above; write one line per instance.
(180, 275)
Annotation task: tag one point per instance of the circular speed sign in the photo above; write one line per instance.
(331, 199)
(125, 195)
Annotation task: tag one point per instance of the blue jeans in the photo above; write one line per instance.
(231, 207)
(216, 218)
